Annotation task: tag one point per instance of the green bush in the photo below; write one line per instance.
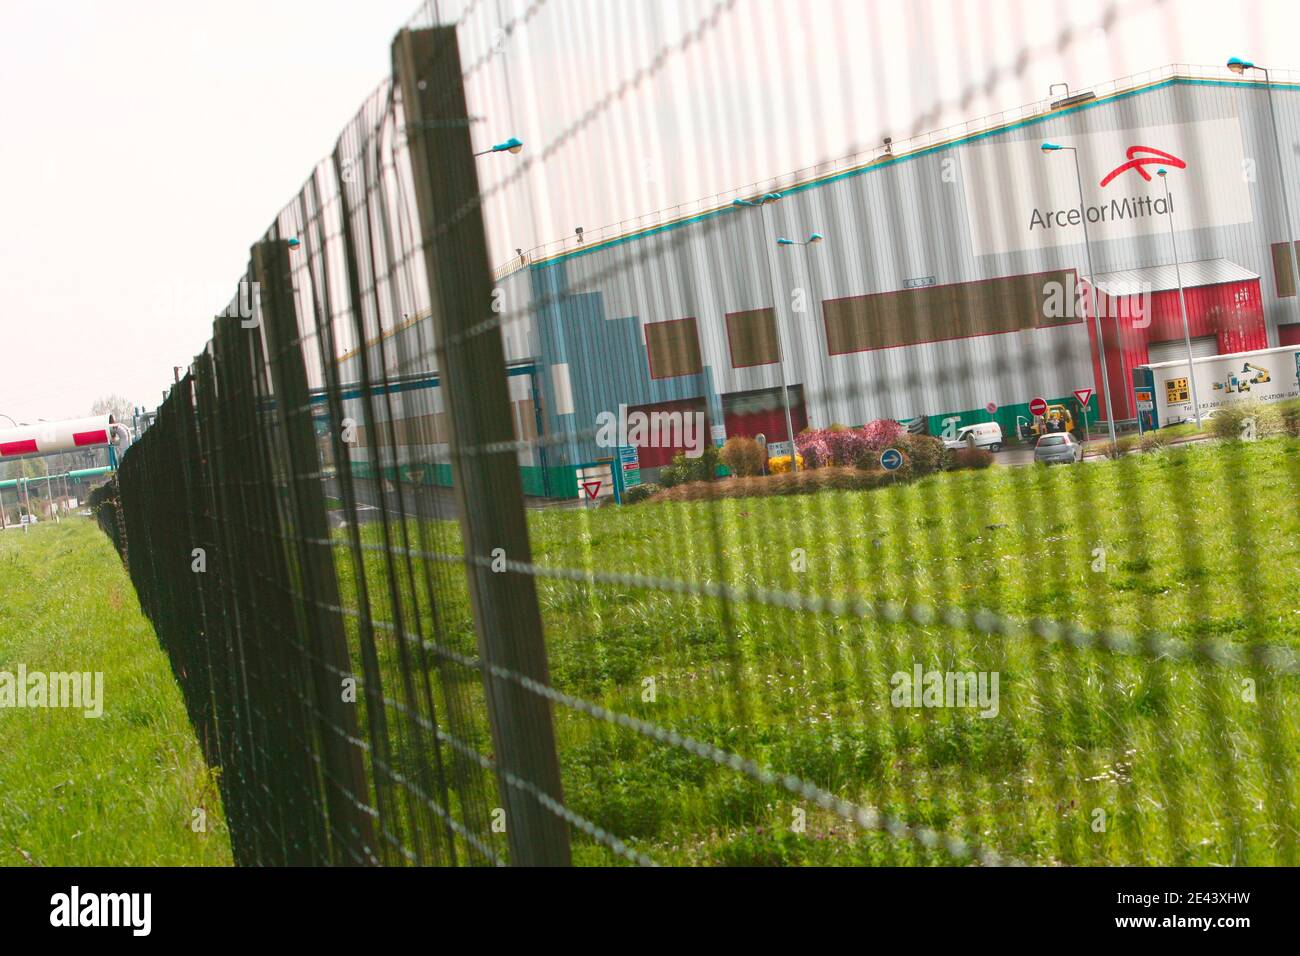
(1245, 420)
(925, 453)
(1289, 414)
(683, 470)
(743, 456)
(871, 463)
(639, 493)
(1154, 440)
(673, 474)
(976, 458)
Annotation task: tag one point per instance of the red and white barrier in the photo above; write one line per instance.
(45, 438)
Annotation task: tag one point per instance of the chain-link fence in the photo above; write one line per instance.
(682, 542)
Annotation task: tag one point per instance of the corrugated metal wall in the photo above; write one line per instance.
(888, 223)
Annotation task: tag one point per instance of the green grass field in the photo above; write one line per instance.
(1094, 757)
(120, 789)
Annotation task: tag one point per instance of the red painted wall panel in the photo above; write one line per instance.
(651, 457)
(769, 422)
(1288, 334)
(1233, 311)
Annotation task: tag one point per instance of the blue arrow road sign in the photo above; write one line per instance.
(891, 459)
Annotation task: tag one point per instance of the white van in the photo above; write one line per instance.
(985, 434)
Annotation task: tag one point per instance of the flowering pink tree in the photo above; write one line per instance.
(812, 445)
(821, 447)
(882, 433)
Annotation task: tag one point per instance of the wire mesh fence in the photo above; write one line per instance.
(396, 527)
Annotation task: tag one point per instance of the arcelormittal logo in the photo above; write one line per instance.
(1140, 156)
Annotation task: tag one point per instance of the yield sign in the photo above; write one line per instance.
(1083, 396)
(592, 488)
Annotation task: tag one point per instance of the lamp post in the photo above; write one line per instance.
(512, 145)
(812, 240)
(1240, 66)
(762, 203)
(1092, 288)
(1182, 297)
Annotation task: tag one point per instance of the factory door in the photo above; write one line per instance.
(1203, 346)
(763, 413)
(669, 434)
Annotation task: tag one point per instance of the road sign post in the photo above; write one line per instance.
(1083, 396)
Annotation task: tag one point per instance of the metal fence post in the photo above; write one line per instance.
(346, 790)
(471, 360)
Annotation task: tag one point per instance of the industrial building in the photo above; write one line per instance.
(949, 285)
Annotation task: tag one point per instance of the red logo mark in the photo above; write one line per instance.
(1157, 157)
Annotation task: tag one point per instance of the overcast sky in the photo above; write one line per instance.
(149, 143)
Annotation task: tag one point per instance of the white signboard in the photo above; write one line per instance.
(1019, 197)
(1272, 375)
(596, 481)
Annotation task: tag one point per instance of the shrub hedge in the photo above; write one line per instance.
(804, 482)
(682, 469)
(743, 456)
(971, 458)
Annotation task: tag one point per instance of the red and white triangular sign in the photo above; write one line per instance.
(1083, 396)
(592, 488)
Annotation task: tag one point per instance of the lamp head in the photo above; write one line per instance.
(1162, 172)
(771, 197)
(1049, 147)
(1238, 65)
(815, 238)
(783, 241)
(512, 145)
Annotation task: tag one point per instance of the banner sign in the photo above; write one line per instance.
(1019, 197)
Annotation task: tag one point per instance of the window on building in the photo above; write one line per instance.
(938, 313)
(1283, 280)
(752, 338)
(673, 347)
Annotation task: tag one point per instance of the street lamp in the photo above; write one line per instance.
(1092, 288)
(1240, 66)
(1182, 298)
(762, 203)
(512, 145)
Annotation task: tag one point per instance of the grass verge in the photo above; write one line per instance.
(120, 789)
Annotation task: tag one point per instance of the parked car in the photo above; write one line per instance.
(1058, 448)
(985, 435)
